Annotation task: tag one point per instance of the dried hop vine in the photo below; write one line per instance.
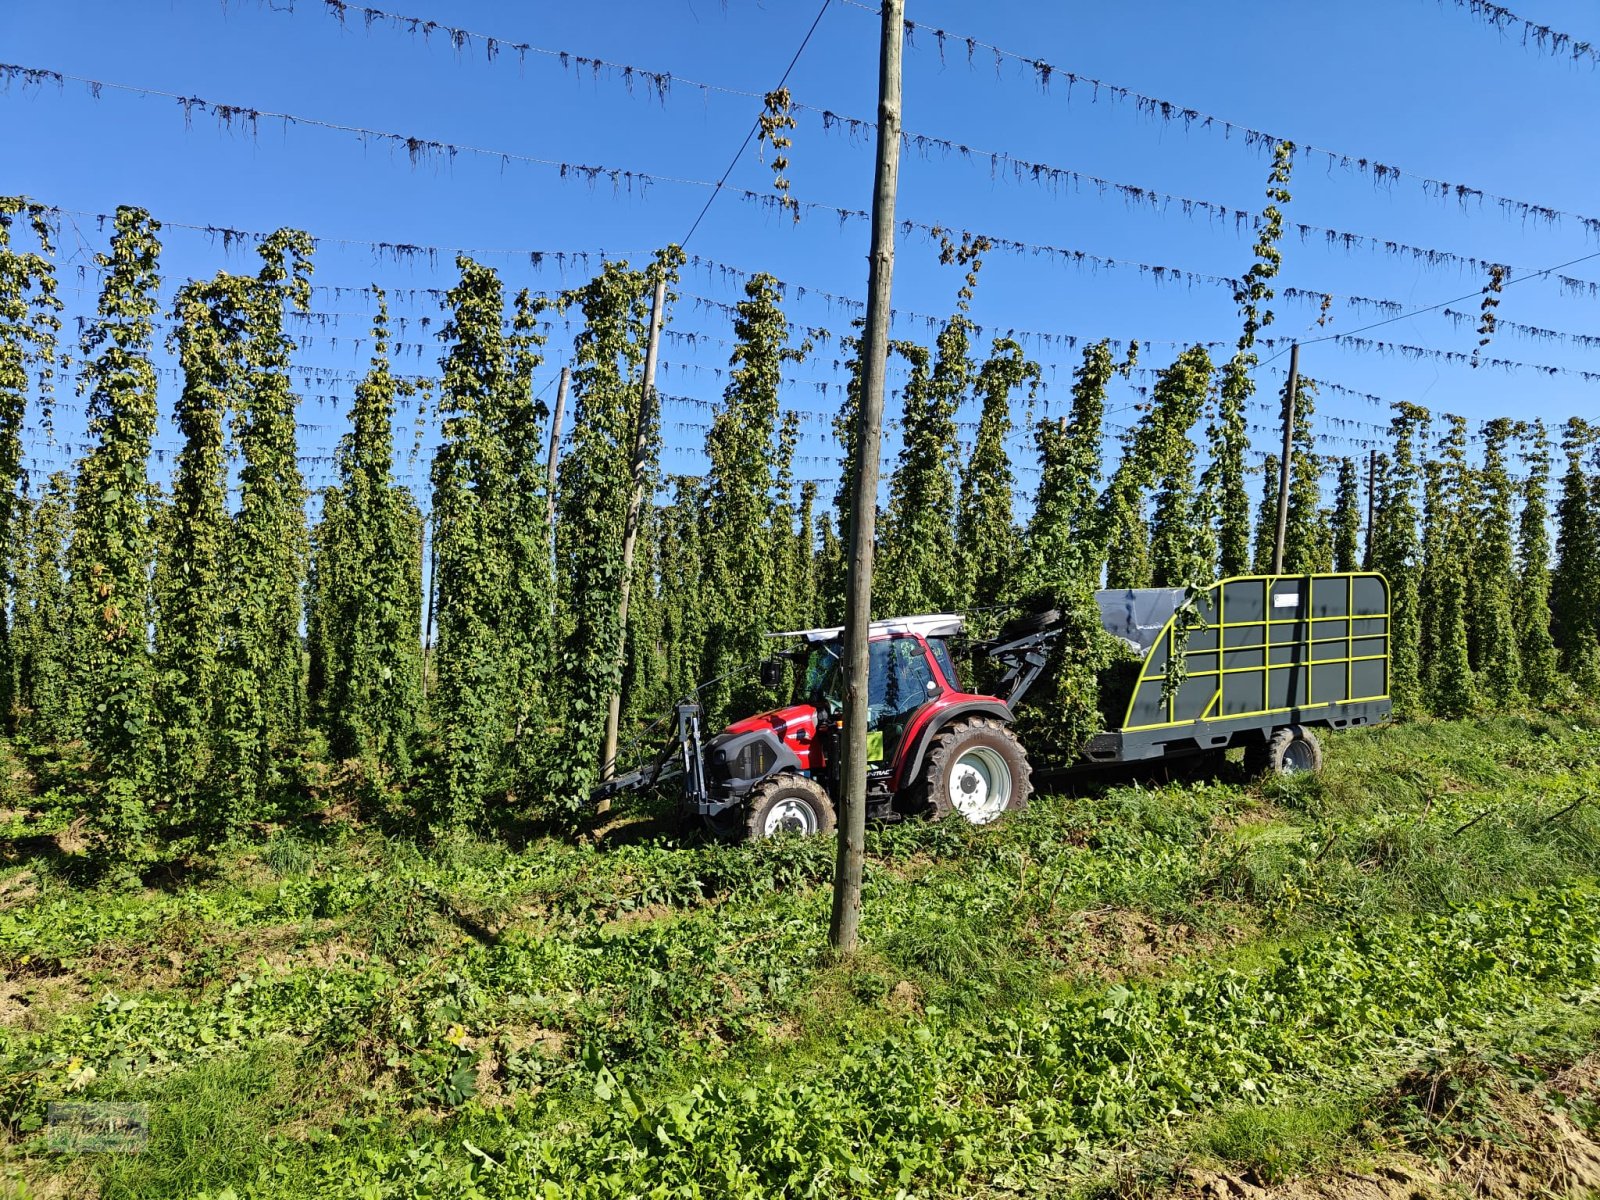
(776, 117)
(1487, 319)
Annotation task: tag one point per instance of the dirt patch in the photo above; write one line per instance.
(634, 917)
(1113, 943)
(904, 997)
(14, 1004)
(18, 889)
(1540, 1151)
(74, 839)
(29, 1004)
(31, 1182)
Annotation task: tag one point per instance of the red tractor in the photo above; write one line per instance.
(932, 747)
(1268, 659)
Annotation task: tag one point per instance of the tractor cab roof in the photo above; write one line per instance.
(933, 625)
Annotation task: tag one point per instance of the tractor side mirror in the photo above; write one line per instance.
(771, 673)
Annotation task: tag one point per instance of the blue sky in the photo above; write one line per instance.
(1417, 84)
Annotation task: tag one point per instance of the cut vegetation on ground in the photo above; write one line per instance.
(1040, 1005)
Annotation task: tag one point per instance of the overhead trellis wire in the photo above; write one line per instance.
(1588, 341)
(660, 83)
(1047, 73)
(1542, 37)
(1057, 339)
(405, 251)
(419, 150)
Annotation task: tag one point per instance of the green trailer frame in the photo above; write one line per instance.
(1262, 652)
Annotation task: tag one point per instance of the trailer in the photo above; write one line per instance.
(1267, 659)
(1263, 654)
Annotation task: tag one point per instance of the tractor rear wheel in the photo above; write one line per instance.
(977, 770)
(788, 803)
(1291, 750)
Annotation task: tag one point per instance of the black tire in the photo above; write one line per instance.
(1020, 627)
(788, 803)
(968, 764)
(1291, 750)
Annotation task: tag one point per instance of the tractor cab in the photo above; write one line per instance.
(909, 668)
(777, 771)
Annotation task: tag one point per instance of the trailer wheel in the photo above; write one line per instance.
(1291, 750)
(977, 770)
(788, 803)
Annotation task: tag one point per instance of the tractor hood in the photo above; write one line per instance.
(795, 718)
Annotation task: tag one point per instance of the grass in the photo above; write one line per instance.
(367, 1010)
(1277, 1142)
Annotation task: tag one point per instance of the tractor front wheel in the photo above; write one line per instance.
(788, 804)
(977, 770)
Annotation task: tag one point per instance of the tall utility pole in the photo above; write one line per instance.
(431, 527)
(630, 537)
(1372, 481)
(1288, 454)
(844, 928)
(555, 446)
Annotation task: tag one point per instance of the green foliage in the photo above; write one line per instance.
(366, 596)
(473, 496)
(1065, 540)
(190, 576)
(847, 432)
(1159, 453)
(1346, 524)
(112, 546)
(260, 676)
(1305, 546)
(917, 569)
(1222, 483)
(1267, 514)
(1576, 580)
(749, 564)
(29, 325)
(681, 565)
(1532, 622)
(1397, 554)
(1378, 482)
(531, 642)
(1449, 677)
(1061, 568)
(1223, 497)
(1181, 551)
(324, 984)
(596, 482)
(42, 612)
(986, 534)
(1492, 579)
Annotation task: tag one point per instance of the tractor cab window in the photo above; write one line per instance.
(941, 655)
(900, 681)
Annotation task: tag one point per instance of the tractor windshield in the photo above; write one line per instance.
(899, 678)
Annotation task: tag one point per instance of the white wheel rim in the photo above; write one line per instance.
(789, 816)
(980, 785)
(1297, 758)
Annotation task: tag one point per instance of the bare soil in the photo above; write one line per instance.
(1544, 1153)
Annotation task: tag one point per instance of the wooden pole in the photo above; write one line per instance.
(1372, 482)
(630, 538)
(555, 447)
(432, 531)
(845, 925)
(1284, 471)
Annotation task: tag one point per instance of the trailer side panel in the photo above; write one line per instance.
(1266, 651)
